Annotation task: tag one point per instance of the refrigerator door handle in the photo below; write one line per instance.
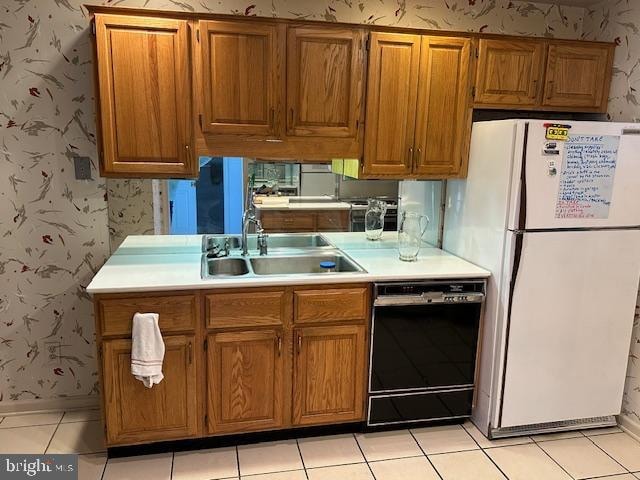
(522, 214)
(517, 256)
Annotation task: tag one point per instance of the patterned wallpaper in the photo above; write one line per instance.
(54, 229)
(130, 209)
(619, 21)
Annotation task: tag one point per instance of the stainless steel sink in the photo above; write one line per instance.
(275, 240)
(210, 242)
(302, 264)
(297, 240)
(224, 267)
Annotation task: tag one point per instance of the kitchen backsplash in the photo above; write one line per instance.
(619, 21)
(54, 229)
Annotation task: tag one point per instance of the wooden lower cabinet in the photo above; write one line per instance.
(236, 360)
(245, 388)
(329, 374)
(298, 221)
(136, 414)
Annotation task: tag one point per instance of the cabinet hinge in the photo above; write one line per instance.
(200, 120)
(205, 344)
(477, 53)
(198, 35)
(206, 419)
(473, 92)
(367, 44)
(93, 28)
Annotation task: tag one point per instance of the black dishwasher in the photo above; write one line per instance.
(424, 341)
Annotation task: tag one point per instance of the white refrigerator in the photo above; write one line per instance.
(553, 211)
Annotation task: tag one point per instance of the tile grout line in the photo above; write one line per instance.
(304, 467)
(54, 432)
(486, 454)
(607, 454)
(366, 460)
(238, 461)
(104, 467)
(553, 459)
(427, 456)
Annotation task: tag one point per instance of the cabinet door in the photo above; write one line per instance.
(241, 77)
(145, 90)
(392, 88)
(509, 72)
(135, 413)
(329, 374)
(325, 75)
(245, 381)
(443, 120)
(577, 75)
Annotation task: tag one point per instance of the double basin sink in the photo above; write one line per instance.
(289, 254)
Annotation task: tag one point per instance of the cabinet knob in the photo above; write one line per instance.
(410, 155)
(299, 343)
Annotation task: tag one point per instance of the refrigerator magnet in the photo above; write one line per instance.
(551, 148)
(557, 131)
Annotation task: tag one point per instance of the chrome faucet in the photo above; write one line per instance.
(262, 239)
(249, 216)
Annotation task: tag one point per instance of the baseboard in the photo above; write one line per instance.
(43, 405)
(630, 424)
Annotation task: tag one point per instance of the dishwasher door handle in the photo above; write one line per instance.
(429, 299)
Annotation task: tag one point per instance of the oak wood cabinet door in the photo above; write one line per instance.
(392, 87)
(245, 389)
(135, 413)
(325, 76)
(578, 75)
(329, 374)
(509, 72)
(144, 86)
(443, 119)
(242, 77)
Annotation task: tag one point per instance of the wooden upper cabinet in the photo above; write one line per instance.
(578, 75)
(392, 90)
(325, 75)
(329, 374)
(144, 88)
(509, 72)
(443, 120)
(246, 381)
(135, 413)
(241, 68)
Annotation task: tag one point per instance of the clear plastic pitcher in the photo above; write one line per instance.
(374, 218)
(410, 232)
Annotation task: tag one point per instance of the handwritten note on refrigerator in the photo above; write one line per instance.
(586, 178)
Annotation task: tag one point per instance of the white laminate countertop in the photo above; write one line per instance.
(305, 206)
(146, 263)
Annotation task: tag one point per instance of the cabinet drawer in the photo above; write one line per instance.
(177, 313)
(328, 305)
(288, 221)
(333, 221)
(245, 309)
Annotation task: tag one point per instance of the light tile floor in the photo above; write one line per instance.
(456, 452)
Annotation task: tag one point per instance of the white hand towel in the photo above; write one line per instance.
(147, 350)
